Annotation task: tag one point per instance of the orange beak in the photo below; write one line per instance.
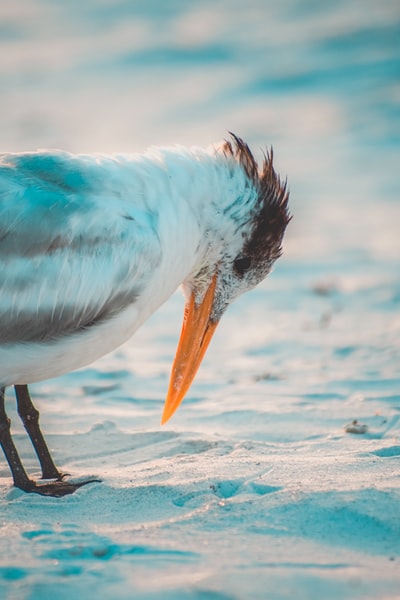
(196, 334)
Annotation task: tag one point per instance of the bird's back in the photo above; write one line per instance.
(70, 247)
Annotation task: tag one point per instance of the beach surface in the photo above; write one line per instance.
(279, 476)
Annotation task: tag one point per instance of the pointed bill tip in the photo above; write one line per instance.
(165, 418)
(171, 405)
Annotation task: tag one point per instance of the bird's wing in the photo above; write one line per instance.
(72, 246)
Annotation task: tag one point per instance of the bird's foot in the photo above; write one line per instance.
(57, 488)
(56, 475)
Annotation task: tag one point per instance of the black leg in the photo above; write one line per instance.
(30, 418)
(21, 480)
(20, 477)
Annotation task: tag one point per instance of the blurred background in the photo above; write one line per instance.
(318, 80)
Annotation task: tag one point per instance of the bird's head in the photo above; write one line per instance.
(243, 242)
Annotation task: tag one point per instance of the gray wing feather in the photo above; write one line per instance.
(70, 257)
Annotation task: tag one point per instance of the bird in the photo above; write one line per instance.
(92, 244)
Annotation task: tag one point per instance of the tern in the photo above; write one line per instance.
(91, 245)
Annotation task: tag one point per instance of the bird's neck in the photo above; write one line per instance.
(184, 192)
(188, 195)
(199, 198)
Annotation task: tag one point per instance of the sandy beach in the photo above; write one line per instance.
(279, 476)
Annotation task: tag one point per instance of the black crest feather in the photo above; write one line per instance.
(271, 214)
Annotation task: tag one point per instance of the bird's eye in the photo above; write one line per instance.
(241, 265)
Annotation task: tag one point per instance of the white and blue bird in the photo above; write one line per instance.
(91, 245)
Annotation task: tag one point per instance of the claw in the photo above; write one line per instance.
(57, 488)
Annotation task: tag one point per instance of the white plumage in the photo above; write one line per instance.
(83, 235)
(91, 245)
